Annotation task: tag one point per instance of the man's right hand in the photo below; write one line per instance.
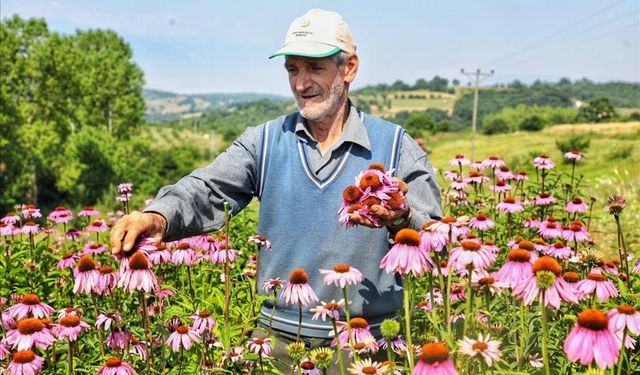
(126, 230)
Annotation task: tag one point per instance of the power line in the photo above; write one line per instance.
(600, 36)
(555, 33)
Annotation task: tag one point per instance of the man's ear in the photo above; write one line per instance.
(350, 68)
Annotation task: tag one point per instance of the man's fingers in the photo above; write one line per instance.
(402, 186)
(383, 213)
(116, 237)
(130, 237)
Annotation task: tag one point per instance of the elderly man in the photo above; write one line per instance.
(298, 165)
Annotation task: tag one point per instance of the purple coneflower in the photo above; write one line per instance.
(342, 275)
(550, 228)
(331, 309)
(576, 206)
(359, 332)
(509, 205)
(70, 327)
(505, 174)
(30, 332)
(118, 339)
(88, 211)
(451, 175)
(261, 346)
(68, 261)
(576, 232)
(598, 283)
(115, 366)
(69, 311)
(559, 250)
(30, 228)
(298, 289)
(30, 211)
(476, 177)
(483, 346)
(591, 339)
(203, 321)
(434, 360)
(471, 253)
(183, 253)
(125, 187)
(86, 275)
(544, 199)
(624, 316)
(543, 162)
(138, 348)
(234, 355)
(139, 276)
(407, 255)
(573, 155)
(107, 280)
(30, 304)
(272, 284)
(501, 186)
(98, 225)
(517, 268)
(8, 230)
(481, 222)
(458, 184)
(493, 162)
(106, 320)
(224, 252)
(25, 362)
(260, 241)
(182, 336)
(459, 159)
(60, 215)
(10, 218)
(545, 282)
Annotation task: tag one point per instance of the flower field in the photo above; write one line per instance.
(509, 281)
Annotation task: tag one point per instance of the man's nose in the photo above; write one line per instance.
(302, 82)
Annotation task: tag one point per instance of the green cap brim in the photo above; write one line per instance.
(318, 56)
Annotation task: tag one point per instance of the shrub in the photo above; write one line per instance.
(495, 126)
(621, 153)
(574, 143)
(532, 124)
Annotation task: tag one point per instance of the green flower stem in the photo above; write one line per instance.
(545, 335)
(346, 310)
(299, 320)
(273, 309)
(622, 352)
(390, 357)
(70, 357)
(191, 290)
(227, 293)
(445, 298)
(339, 349)
(467, 316)
(95, 313)
(407, 320)
(147, 332)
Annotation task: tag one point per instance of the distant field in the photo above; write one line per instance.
(414, 100)
(607, 169)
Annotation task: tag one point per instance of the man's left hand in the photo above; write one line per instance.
(387, 217)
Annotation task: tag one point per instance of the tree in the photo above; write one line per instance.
(597, 110)
(418, 122)
(495, 126)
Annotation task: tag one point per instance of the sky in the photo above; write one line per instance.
(202, 46)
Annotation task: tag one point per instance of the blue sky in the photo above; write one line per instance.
(222, 46)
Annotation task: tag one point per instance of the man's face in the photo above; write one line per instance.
(317, 85)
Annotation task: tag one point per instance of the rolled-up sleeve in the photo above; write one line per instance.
(195, 204)
(415, 169)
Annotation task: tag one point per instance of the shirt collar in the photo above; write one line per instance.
(353, 131)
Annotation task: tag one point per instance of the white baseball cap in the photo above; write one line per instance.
(317, 33)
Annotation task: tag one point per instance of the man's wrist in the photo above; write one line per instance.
(401, 222)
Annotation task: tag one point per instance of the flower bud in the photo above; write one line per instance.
(389, 329)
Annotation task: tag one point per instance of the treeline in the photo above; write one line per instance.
(70, 116)
(563, 94)
(437, 83)
(231, 122)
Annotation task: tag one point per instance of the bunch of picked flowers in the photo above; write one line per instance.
(373, 186)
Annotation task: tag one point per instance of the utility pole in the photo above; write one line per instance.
(479, 76)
